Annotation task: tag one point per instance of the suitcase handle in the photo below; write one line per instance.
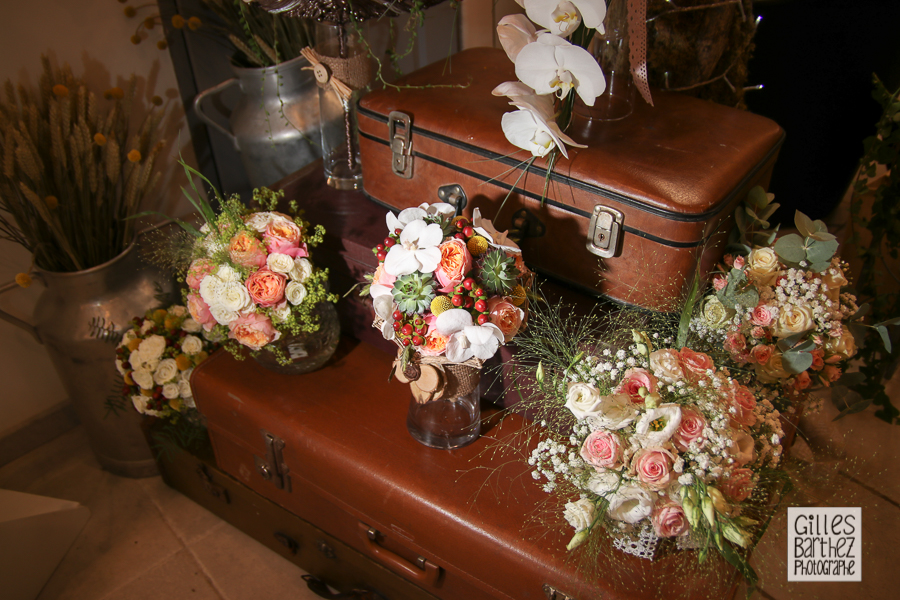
(424, 572)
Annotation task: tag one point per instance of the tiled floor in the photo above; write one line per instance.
(144, 540)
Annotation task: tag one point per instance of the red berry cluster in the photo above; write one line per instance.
(471, 296)
(381, 249)
(410, 329)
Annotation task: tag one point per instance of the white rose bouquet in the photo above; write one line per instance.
(156, 358)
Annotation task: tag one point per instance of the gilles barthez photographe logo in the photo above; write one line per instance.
(824, 544)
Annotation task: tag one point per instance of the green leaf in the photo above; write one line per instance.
(819, 252)
(885, 337)
(773, 235)
(806, 346)
(859, 333)
(687, 311)
(790, 248)
(741, 249)
(768, 211)
(804, 224)
(866, 309)
(796, 362)
(757, 197)
(823, 236)
(789, 342)
(849, 401)
(894, 321)
(740, 219)
(819, 267)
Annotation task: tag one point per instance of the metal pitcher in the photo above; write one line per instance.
(275, 125)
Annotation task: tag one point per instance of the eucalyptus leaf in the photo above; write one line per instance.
(819, 267)
(851, 380)
(757, 197)
(804, 224)
(740, 219)
(894, 321)
(796, 362)
(859, 333)
(769, 210)
(773, 235)
(737, 248)
(823, 236)
(866, 309)
(849, 401)
(806, 346)
(819, 252)
(885, 337)
(790, 248)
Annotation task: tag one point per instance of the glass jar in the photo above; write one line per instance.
(446, 423)
(307, 351)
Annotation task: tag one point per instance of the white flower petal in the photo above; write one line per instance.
(376, 290)
(452, 321)
(400, 261)
(515, 32)
(458, 349)
(590, 81)
(384, 307)
(413, 231)
(429, 259)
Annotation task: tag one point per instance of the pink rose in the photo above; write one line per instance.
(266, 287)
(720, 282)
(199, 269)
(669, 520)
(739, 262)
(200, 311)
(761, 353)
(247, 251)
(382, 277)
(289, 249)
(505, 315)
(281, 231)
(818, 359)
(653, 467)
(253, 330)
(602, 449)
(802, 381)
(762, 316)
(743, 401)
(739, 485)
(633, 380)
(695, 364)
(758, 332)
(456, 262)
(690, 429)
(735, 342)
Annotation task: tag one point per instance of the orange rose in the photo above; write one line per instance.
(456, 261)
(266, 287)
(435, 344)
(505, 315)
(247, 251)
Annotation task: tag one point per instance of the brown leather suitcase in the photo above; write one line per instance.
(626, 217)
(332, 448)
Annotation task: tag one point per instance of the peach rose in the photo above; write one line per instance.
(802, 381)
(633, 380)
(266, 287)
(247, 251)
(505, 315)
(281, 230)
(772, 370)
(831, 374)
(761, 353)
(763, 266)
(253, 330)
(669, 520)
(382, 277)
(744, 403)
(456, 262)
(690, 429)
(793, 319)
(818, 359)
(720, 282)
(653, 467)
(199, 269)
(200, 311)
(603, 450)
(739, 485)
(435, 344)
(695, 364)
(739, 262)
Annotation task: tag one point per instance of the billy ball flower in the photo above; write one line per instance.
(60, 90)
(99, 139)
(134, 156)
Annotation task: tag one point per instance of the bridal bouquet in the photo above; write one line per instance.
(156, 358)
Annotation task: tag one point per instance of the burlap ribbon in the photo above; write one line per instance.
(343, 75)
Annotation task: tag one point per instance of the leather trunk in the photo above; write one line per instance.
(331, 447)
(627, 217)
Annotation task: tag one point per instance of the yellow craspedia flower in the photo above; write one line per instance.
(23, 279)
(60, 90)
(477, 245)
(134, 156)
(133, 344)
(52, 202)
(517, 295)
(146, 392)
(171, 323)
(159, 316)
(114, 92)
(99, 139)
(177, 21)
(440, 304)
(183, 362)
(162, 44)
(194, 23)
(127, 378)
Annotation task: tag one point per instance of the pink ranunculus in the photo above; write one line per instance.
(695, 364)
(602, 449)
(456, 262)
(669, 520)
(247, 251)
(720, 282)
(199, 269)
(633, 380)
(802, 381)
(653, 467)
(266, 287)
(505, 315)
(735, 342)
(281, 231)
(200, 311)
(739, 485)
(739, 262)
(761, 353)
(691, 428)
(818, 359)
(762, 315)
(253, 330)
(744, 403)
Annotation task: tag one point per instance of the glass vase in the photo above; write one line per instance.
(446, 423)
(612, 54)
(307, 352)
(346, 58)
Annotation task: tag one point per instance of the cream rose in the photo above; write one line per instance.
(763, 266)
(281, 312)
(191, 325)
(301, 270)
(144, 379)
(631, 504)
(166, 371)
(743, 448)
(152, 347)
(772, 370)
(171, 391)
(579, 514)
(227, 273)
(715, 313)
(583, 400)
(191, 344)
(233, 297)
(223, 316)
(280, 263)
(614, 412)
(844, 346)
(666, 365)
(793, 319)
(295, 292)
(184, 389)
(141, 364)
(140, 404)
(602, 482)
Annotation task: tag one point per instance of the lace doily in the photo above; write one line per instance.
(643, 547)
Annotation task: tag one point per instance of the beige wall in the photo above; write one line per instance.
(93, 37)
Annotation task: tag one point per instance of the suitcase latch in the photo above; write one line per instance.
(400, 136)
(272, 468)
(604, 231)
(455, 195)
(554, 594)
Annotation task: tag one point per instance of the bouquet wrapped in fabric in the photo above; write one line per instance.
(156, 358)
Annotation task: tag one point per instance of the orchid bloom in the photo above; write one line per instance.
(551, 65)
(437, 208)
(406, 216)
(417, 249)
(384, 308)
(467, 340)
(532, 127)
(515, 32)
(564, 17)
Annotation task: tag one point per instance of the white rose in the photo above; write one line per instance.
(140, 404)
(171, 390)
(127, 337)
(227, 273)
(140, 364)
(190, 325)
(793, 319)
(614, 412)
(763, 266)
(280, 263)
(295, 292)
(191, 344)
(144, 379)
(715, 313)
(666, 365)
(184, 389)
(188, 401)
(209, 289)
(234, 297)
(669, 414)
(302, 270)
(222, 316)
(186, 375)
(177, 310)
(146, 326)
(602, 482)
(580, 514)
(631, 504)
(152, 347)
(281, 312)
(258, 221)
(166, 371)
(583, 400)
(120, 367)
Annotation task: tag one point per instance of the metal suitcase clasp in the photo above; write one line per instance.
(400, 138)
(604, 231)
(272, 468)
